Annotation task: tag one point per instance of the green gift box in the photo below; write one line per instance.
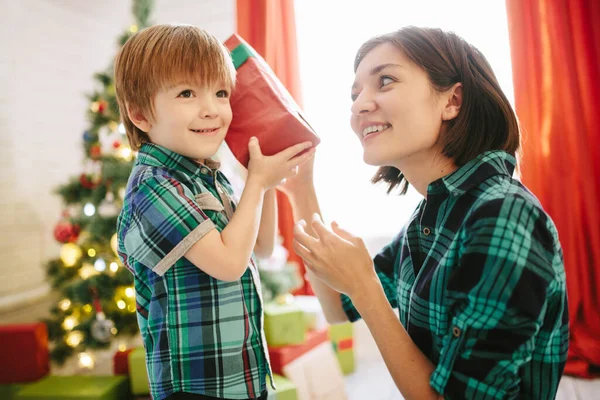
(9, 391)
(286, 390)
(138, 374)
(76, 388)
(343, 345)
(346, 360)
(284, 324)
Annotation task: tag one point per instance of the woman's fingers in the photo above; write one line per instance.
(290, 152)
(303, 238)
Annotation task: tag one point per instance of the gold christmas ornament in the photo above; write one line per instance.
(74, 338)
(70, 322)
(64, 304)
(70, 253)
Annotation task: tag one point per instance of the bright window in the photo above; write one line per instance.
(329, 33)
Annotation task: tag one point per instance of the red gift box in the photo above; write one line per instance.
(283, 355)
(262, 107)
(24, 352)
(121, 363)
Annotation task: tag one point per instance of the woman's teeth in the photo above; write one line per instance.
(374, 128)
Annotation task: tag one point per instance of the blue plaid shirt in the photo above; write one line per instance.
(201, 335)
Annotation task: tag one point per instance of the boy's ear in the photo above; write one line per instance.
(454, 102)
(139, 119)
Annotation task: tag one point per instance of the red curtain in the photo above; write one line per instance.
(270, 28)
(555, 48)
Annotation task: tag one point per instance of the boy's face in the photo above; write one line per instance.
(191, 120)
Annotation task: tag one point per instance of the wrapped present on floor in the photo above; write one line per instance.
(9, 391)
(284, 324)
(286, 390)
(282, 355)
(121, 362)
(138, 375)
(26, 346)
(262, 107)
(317, 375)
(341, 337)
(76, 388)
(313, 312)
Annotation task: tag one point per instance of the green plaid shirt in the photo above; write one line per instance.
(477, 275)
(201, 335)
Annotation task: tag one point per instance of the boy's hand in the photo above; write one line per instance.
(270, 171)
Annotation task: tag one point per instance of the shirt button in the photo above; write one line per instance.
(456, 331)
(204, 170)
(426, 231)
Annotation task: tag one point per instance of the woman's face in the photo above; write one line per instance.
(396, 113)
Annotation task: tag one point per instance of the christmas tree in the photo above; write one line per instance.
(97, 300)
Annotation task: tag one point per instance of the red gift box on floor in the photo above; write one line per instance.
(262, 107)
(24, 352)
(283, 355)
(121, 363)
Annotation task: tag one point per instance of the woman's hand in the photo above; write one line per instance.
(337, 257)
(299, 183)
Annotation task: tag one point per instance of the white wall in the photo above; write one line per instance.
(49, 51)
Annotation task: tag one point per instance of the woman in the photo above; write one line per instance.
(477, 272)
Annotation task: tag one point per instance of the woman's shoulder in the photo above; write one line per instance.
(505, 202)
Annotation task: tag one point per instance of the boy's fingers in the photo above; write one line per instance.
(254, 148)
(299, 160)
(295, 149)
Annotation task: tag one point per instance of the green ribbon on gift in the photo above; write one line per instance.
(240, 54)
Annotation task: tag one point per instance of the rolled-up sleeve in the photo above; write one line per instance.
(166, 222)
(498, 294)
(385, 267)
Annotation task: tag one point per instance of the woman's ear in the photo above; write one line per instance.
(454, 98)
(139, 119)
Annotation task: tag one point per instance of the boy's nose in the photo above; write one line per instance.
(208, 108)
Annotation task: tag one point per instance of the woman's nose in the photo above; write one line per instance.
(362, 104)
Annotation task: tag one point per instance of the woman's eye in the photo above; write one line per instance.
(223, 93)
(186, 94)
(385, 80)
(353, 96)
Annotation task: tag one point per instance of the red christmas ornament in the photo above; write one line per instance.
(95, 151)
(102, 106)
(66, 232)
(116, 144)
(87, 182)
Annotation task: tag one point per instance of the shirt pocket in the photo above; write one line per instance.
(207, 201)
(213, 208)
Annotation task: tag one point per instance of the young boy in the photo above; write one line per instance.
(197, 289)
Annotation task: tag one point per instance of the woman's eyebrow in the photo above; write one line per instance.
(377, 69)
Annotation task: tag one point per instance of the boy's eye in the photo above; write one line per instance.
(353, 96)
(385, 80)
(186, 94)
(223, 93)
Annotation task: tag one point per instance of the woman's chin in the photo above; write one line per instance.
(373, 159)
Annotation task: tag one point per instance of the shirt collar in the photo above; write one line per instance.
(490, 163)
(157, 156)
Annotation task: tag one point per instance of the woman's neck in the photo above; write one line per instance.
(423, 169)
